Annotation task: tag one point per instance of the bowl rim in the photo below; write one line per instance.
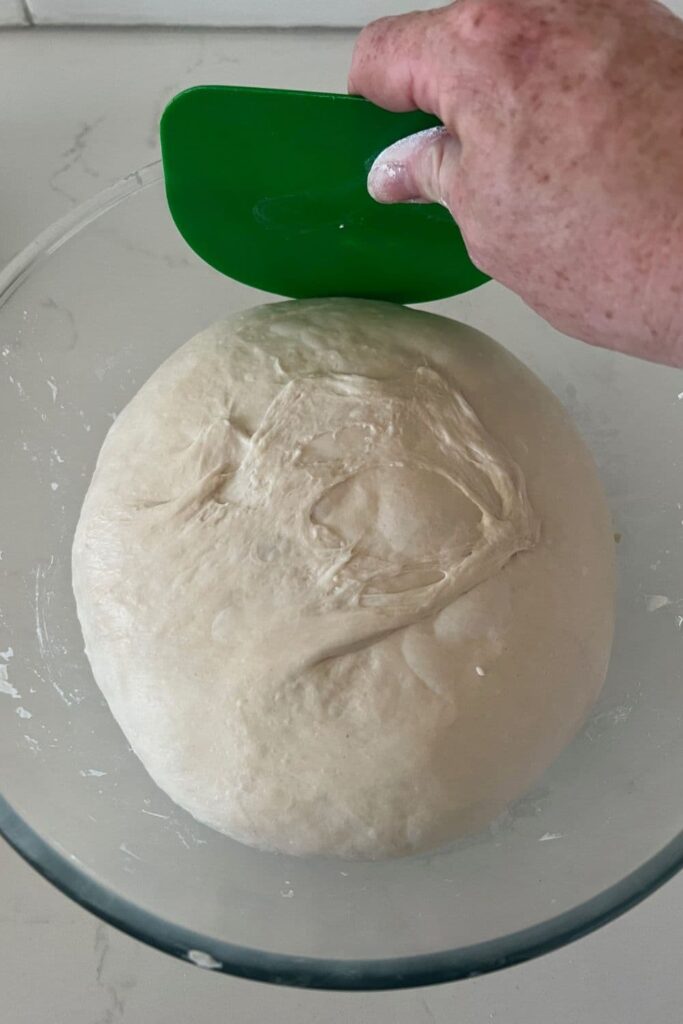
(341, 975)
(64, 872)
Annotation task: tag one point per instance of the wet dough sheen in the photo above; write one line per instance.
(344, 573)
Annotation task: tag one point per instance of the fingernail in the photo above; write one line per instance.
(390, 182)
(391, 178)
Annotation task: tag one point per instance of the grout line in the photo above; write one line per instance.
(133, 26)
(27, 12)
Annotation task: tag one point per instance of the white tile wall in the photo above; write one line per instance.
(214, 13)
(225, 13)
(12, 13)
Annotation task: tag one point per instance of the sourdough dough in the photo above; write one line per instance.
(344, 572)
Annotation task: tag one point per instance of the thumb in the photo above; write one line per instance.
(418, 169)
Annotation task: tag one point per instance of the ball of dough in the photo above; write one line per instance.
(345, 577)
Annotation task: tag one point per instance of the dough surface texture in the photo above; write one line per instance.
(344, 572)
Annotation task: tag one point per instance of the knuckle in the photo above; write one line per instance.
(487, 21)
(379, 32)
(379, 27)
(371, 38)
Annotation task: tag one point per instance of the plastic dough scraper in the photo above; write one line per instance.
(269, 187)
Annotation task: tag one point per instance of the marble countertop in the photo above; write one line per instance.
(78, 109)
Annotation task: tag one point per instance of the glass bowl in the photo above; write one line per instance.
(87, 312)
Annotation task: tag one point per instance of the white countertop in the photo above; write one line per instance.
(78, 109)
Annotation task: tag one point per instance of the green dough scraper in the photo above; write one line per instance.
(269, 187)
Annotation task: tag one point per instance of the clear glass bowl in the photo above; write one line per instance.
(87, 312)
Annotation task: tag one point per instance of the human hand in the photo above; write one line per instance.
(561, 158)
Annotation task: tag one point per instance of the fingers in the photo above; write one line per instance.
(393, 62)
(420, 168)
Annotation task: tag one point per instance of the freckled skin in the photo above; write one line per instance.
(563, 160)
